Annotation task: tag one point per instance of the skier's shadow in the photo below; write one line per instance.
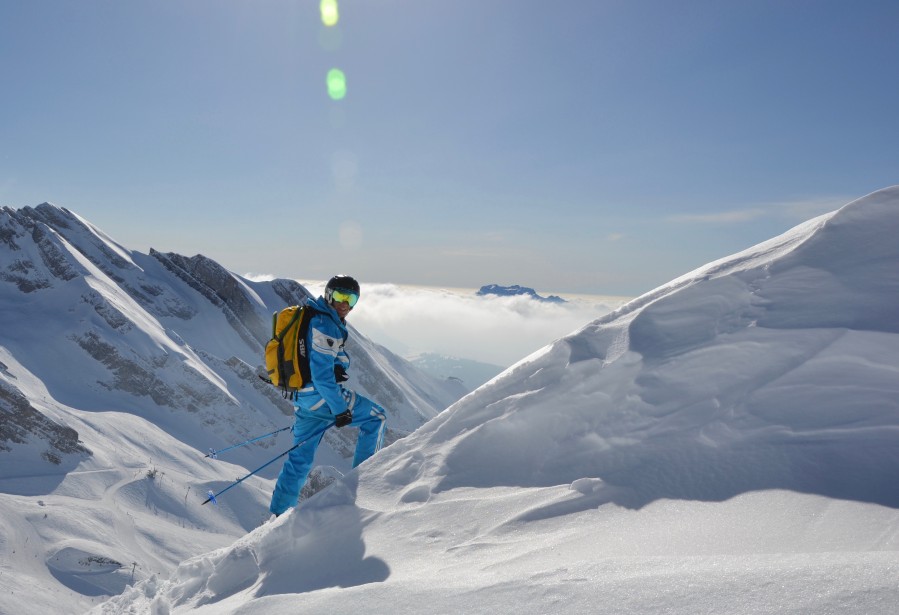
(320, 546)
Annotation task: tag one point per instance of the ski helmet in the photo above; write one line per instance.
(341, 282)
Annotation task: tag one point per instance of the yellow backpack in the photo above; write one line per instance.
(286, 355)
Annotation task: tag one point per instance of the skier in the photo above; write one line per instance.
(325, 400)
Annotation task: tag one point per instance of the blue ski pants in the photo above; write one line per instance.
(369, 417)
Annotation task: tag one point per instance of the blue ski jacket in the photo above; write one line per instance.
(325, 340)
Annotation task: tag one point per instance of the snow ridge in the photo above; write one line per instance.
(723, 444)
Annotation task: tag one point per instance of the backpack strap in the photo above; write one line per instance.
(302, 353)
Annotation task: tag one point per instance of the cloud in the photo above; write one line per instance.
(722, 217)
(454, 322)
(409, 320)
(259, 277)
(805, 209)
(471, 253)
(799, 210)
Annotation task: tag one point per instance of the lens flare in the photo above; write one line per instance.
(350, 235)
(330, 14)
(336, 84)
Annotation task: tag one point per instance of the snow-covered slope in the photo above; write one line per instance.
(728, 443)
(469, 374)
(118, 371)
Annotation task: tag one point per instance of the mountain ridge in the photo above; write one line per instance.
(102, 345)
(516, 290)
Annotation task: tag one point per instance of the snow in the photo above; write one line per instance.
(106, 242)
(116, 376)
(727, 443)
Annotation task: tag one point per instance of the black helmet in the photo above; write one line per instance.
(344, 282)
(341, 282)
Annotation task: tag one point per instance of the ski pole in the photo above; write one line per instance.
(213, 453)
(212, 496)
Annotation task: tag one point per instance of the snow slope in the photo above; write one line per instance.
(727, 443)
(118, 371)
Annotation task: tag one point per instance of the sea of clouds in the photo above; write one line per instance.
(411, 320)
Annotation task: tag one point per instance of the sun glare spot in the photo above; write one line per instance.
(330, 15)
(336, 84)
(350, 235)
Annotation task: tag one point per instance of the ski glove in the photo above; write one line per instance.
(343, 419)
(340, 374)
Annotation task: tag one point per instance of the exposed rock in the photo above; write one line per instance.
(21, 423)
(133, 377)
(515, 290)
(290, 291)
(221, 288)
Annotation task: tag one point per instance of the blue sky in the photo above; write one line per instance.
(584, 146)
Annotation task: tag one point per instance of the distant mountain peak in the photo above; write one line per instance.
(515, 290)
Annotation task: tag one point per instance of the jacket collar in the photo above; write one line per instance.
(325, 308)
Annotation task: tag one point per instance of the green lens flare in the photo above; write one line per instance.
(336, 84)
(330, 15)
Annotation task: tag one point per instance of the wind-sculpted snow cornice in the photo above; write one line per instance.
(770, 369)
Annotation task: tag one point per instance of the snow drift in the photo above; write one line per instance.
(728, 442)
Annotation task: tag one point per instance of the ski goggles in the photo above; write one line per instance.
(341, 295)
